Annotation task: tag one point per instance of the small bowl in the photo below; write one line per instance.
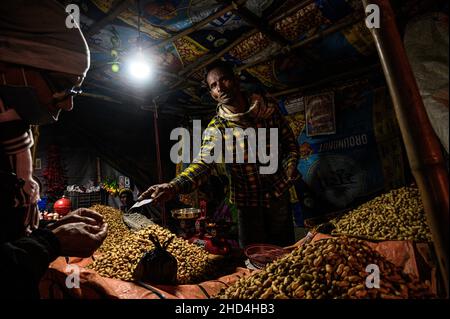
(186, 213)
(262, 254)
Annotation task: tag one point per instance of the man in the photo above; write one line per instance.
(126, 199)
(262, 200)
(42, 63)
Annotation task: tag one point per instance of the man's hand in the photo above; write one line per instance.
(81, 215)
(159, 193)
(80, 239)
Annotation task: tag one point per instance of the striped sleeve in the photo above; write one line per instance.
(15, 134)
(198, 172)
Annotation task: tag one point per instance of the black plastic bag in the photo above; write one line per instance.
(157, 266)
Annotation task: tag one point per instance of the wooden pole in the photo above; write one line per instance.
(422, 146)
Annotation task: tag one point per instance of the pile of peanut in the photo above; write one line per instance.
(123, 249)
(396, 215)
(335, 268)
(117, 230)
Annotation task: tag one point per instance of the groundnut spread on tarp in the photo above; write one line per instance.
(396, 215)
(329, 268)
(123, 249)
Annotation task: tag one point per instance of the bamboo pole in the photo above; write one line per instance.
(422, 146)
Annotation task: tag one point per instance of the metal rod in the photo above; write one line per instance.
(422, 146)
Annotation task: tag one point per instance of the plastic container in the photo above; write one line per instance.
(262, 254)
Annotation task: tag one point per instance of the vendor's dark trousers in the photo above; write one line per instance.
(269, 225)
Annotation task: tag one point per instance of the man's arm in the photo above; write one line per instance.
(197, 173)
(192, 177)
(25, 261)
(289, 146)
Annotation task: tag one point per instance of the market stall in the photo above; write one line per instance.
(355, 208)
(334, 265)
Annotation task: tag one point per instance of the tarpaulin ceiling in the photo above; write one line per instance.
(273, 44)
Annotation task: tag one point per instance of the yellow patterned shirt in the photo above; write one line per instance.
(248, 187)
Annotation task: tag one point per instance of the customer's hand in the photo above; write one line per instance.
(159, 193)
(80, 239)
(83, 215)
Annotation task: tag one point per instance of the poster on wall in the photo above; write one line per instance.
(320, 116)
(363, 158)
(294, 105)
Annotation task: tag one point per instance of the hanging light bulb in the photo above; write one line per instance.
(138, 66)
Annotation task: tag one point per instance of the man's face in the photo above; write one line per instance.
(47, 85)
(50, 87)
(123, 199)
(126, 199)
(223, 87)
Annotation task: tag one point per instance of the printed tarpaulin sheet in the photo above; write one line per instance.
(116, 42)
(360, 158)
